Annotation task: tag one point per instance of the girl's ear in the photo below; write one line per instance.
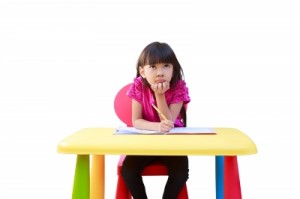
(142, 71)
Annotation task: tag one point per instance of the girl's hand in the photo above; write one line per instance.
(165, 126)
(161, 87)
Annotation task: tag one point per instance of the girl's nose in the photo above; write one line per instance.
(160, 72)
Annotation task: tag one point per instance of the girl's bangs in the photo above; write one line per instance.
(158, 56)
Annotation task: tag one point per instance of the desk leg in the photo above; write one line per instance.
(219, 164)
(232, 188)
(81, 186)
(98, 177)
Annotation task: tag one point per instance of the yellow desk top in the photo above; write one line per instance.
(227, 141)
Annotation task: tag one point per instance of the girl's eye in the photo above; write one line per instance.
(152, 66)
(167, 65)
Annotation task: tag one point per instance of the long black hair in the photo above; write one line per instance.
(157, 52)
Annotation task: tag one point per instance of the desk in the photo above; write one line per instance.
(98, 142)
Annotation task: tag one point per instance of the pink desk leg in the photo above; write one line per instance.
(97, 183)
(232, 188)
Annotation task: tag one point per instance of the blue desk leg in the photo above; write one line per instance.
(81, 186)
(219, 177)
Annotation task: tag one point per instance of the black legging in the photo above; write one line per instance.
(178, 171)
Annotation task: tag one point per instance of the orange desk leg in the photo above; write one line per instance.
(232, 188)
(97, 183)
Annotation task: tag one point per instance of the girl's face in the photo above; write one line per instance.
(157, 73)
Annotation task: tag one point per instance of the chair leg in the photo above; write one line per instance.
(122, 191)
(183, 194)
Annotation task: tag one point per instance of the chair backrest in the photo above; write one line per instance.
(122, 105)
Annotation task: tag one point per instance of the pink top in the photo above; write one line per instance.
(144, 95)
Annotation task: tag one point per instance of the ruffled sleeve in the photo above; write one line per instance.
(181, 93)
(135, 90)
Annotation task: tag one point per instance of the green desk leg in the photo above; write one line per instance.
(81, 186)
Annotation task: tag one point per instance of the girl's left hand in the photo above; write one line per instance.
(160, 88)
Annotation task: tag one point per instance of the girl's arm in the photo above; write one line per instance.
(140, 123)
(172, 111)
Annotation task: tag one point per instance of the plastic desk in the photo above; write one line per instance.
(226, 145)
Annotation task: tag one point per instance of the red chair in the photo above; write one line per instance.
(123, 109)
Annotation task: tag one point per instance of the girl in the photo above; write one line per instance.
(159, 81)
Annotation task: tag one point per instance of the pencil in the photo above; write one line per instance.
(159, 112)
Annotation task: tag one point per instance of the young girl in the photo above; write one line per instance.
(159, 81)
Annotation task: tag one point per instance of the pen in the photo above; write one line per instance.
(159, 112)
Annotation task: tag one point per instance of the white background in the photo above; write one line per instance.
(62, 61)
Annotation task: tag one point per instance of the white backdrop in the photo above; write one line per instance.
(62, 61)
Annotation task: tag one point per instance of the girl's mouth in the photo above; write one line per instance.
(160, 81)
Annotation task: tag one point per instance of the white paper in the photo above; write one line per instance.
(177, 130)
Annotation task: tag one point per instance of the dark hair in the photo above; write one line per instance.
(157, 52)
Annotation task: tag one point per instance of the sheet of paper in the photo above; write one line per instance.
(192, 130)
(132, 130)
(177, 130)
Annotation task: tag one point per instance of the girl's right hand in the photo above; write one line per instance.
(165, 126)
(160, 88)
